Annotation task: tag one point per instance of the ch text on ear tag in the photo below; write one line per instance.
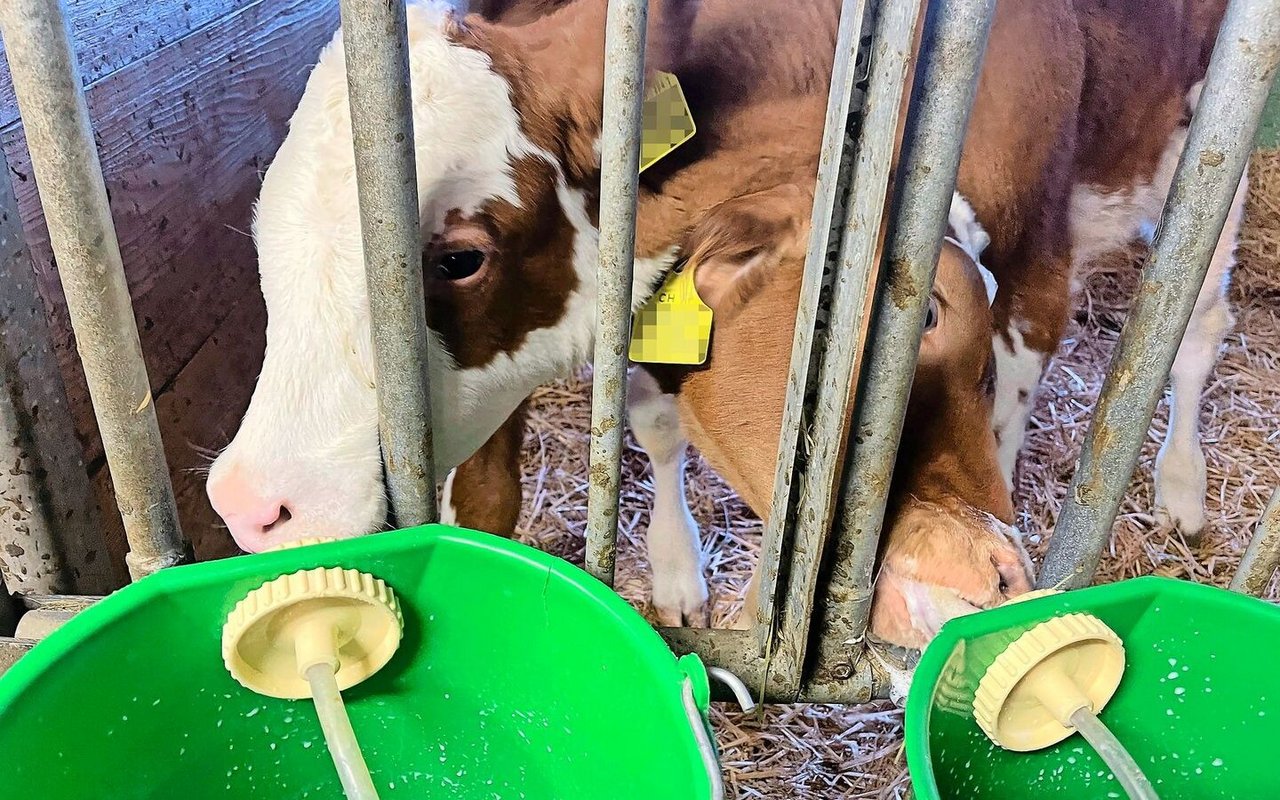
(666, 120)
(674, 327)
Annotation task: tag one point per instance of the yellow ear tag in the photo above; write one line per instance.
(666, 120)
(674, 327)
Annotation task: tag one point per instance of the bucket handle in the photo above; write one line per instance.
(696, 693)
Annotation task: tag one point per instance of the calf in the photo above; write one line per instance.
(507, 120)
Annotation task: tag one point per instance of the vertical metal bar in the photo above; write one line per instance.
(1262, 557)
(50, 540)
(893, 48)
(835, 174)
(947, 81)
(619, 180)
(1217, 151)
(47, 85)
(377, 54)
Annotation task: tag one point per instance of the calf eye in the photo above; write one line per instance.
(459, 264)
(931, 317)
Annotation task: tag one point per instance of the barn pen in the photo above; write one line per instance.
(152, 356)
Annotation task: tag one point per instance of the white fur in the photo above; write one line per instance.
(971, 237)
(1018, 370)
(1102, 221)
(310, 433)
(448, 511)
(1180, 479)
(680, 591)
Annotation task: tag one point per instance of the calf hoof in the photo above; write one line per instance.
(1187, 519)
(1180, 489)
(682, 603)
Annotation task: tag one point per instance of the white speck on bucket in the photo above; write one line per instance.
(1217, 762)
(253, 712)
(1179, 690)
(306, 745)
(1172, 676)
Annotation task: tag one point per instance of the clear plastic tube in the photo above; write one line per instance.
(1118, 759)
(338, 734)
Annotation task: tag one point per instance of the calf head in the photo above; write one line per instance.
(947, 547)
(950, 548)
(506, 122)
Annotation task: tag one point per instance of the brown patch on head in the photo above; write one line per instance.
(486, 487)
(526, 276)
(943, 560)
(948, 449)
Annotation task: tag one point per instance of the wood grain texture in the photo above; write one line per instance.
(183, 136)
(199, 413)
(111, 34)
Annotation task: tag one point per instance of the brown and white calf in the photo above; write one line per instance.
(1063, 155)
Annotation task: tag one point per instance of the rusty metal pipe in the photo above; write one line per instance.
(947, 78)
(1262, 557)
(47, 83)
(619, 183)
(377, 55)
(1217, 151)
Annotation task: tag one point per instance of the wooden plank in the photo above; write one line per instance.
(111, 34)
(49, 526)
(199, 413)
(183, 136)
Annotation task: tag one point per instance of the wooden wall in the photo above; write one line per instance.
(189, 101)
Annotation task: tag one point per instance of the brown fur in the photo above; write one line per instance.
(1071, 91)
(486, 487)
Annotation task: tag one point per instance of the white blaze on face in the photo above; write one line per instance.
(309, 443)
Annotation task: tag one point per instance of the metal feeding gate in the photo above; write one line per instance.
(835, 456)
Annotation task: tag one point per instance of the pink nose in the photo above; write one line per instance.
(250, 516)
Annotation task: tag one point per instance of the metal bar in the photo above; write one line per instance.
(377, 55)
(1218, 147)
(735, 650)
(893, 49)
(947, 78)
(1262, 557)
(50, 539)
(47, 84)
(619, 181)
(835, 174)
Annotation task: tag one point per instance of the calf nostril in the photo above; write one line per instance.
(281, 518)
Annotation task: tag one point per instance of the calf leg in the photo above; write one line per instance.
(1180, 469)
(680, 594)
(1018, 370)
(484, 492)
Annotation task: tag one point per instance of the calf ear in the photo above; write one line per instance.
(734, 245)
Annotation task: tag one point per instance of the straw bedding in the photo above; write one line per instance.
(855, 752)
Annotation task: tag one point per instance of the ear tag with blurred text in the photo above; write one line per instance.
(666, 120)
(674, 327)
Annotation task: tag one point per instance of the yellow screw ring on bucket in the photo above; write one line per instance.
(1076, 652)
(265, 635)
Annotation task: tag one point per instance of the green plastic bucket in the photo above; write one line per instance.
(519, 676)
(1198, 706)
